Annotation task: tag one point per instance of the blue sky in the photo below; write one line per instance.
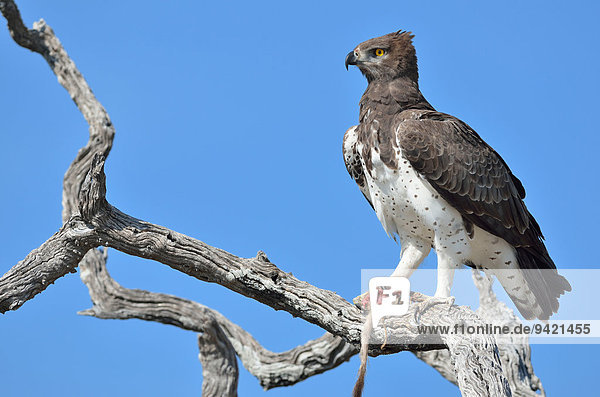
(229, 119)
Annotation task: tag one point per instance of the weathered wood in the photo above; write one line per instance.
(58, 256)
(41, 39)
(112, 301)
(219, 365)
(37, 270)
(90, 221)
(515, 352)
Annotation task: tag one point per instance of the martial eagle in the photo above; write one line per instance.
(434, 183)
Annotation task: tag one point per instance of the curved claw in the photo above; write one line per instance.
(429, 303)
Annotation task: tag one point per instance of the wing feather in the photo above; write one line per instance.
(469, 174)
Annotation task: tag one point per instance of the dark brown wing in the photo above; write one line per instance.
(475, 180)
(468, 174)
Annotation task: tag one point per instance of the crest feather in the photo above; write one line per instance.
(405, 33)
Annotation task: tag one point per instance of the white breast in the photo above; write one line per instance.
(408, 206)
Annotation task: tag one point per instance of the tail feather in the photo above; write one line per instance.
(542, 279)
(514, 283)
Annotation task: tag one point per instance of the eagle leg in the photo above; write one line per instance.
(445, 276)
(414, 251)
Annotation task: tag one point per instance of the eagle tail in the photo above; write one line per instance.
(514, 283)
(543, 281)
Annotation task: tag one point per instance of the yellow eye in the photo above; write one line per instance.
(379, 52)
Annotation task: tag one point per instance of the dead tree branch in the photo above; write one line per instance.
(112, 301)
(90, 222)
(515, 353)
(219, 365)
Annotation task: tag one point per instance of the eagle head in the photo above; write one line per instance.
(386, 58)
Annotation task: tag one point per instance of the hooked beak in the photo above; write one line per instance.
(351, 59)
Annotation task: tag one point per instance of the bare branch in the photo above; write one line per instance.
(515, 353)
(112, 301)
(24, 37)
(219, 366)
(41, 39)
(59, 255)
(281, 369)
(62, 252)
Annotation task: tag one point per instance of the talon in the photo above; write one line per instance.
(433, 301)
(429, 303)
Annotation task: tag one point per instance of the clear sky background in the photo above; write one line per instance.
(229, 121)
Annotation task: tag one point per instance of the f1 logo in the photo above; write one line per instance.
(389, 296)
